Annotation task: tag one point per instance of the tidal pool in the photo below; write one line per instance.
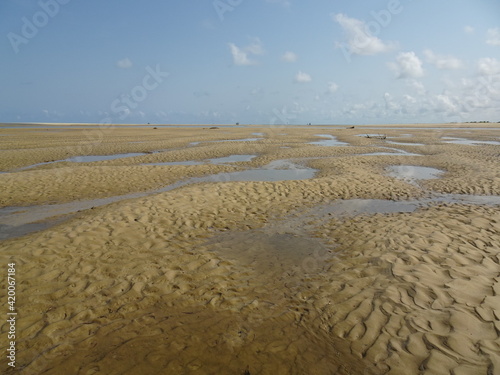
(232, 159)
(92, 158)
(223, 160)
(470, 142)
(86, 159)
(331, 141)
(18, 221)
(186, 162)
(412, 173)
(239, 140)
(405, 144)
(398, 152)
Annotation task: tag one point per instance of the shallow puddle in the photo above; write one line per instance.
(232, 159)
(398, 152)
(285, 247)
(33, 166)
(269, 252)
(412, 173)
(92, 158)
(470, 142)
(240, 140)
(186, 162)
(226, 159)
(14, 220)
(84, 159)
(405, 144)
(385, 154)
(262, 175)
(354, 207)
(402, 136)
(331, 141)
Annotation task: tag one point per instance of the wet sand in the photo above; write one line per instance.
(258, 277)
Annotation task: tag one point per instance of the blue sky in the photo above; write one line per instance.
(257, 62)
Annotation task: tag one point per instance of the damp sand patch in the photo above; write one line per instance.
(287, 248)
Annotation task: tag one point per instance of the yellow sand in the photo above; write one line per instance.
(238, 277)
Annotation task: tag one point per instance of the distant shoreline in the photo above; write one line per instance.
(413, 125)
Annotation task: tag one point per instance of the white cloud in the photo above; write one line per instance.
(359, 38)
(255, 47)
(417, 86)
(469, 30)
(442, 62)
(407, 65)
(409, 99)
(124, 63)
(241, 55)
(390, 105)
(493, 37)
(332, 87)
(488, 66)
(289, 57)
(445, 103)
(302, 77)
(473, 98)
(475, 95)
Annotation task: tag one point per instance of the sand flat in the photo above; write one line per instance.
(256, 277)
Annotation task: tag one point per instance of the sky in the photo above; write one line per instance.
(250, 61)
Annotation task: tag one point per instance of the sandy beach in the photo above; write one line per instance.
(199, 267)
